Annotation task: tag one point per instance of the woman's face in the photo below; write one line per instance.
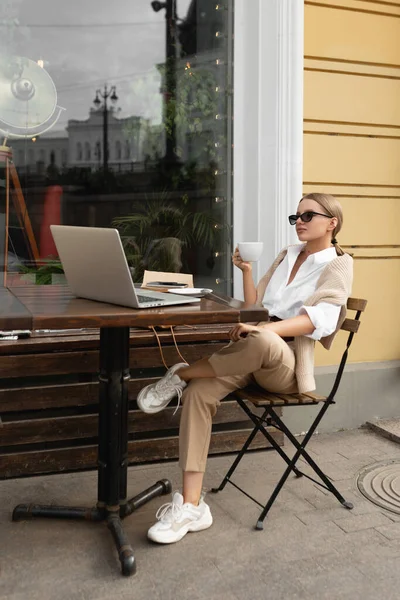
(318, 227)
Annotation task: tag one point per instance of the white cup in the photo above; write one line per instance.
(250, 251)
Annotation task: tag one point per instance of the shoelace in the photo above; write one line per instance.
(169, 512)
(162, 386)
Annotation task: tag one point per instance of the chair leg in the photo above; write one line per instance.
(236, 461)
(258, 421)
(302, 452)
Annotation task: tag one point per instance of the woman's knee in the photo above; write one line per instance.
(265, 340)
(199, 396)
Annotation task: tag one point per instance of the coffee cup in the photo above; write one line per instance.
(250, 251)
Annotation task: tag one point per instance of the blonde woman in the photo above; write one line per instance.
(305, 291)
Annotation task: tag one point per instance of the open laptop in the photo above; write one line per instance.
(96, 268)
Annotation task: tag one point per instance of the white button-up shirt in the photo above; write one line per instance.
(285, 301)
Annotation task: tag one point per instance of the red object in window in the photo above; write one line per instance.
(51, 216)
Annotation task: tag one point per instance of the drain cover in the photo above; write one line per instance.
(380, 483)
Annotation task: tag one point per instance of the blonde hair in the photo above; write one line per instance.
(333, 207)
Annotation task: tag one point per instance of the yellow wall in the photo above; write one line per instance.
(352, 150)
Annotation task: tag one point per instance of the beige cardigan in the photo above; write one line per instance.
(333, 286)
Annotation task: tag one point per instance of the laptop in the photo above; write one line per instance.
(96, 268)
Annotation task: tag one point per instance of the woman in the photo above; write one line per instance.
(305, 291)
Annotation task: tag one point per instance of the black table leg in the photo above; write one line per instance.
(112, 502)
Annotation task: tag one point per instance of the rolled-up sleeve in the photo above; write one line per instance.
(324, 317)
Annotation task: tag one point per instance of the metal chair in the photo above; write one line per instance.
(260, 398)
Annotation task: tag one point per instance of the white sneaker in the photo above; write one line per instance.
(155, 397)
(176, 519)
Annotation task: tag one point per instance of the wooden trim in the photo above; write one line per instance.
(75, 427)
(85, 457)
(350, 325)
(356, 304)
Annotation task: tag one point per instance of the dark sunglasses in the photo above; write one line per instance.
(306, 217)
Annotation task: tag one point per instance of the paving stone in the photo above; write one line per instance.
(310, 547)
(391, 531)
(337, 584)
(359, 522)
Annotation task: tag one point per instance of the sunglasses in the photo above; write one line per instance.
(307, 216)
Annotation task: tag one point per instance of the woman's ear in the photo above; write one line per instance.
(332, 224)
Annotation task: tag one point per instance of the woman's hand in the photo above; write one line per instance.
(241, 330)
(239, 262)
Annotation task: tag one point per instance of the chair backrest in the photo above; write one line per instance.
(351, 325)
(357, 304)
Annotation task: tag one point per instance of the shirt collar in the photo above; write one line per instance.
(318, 258)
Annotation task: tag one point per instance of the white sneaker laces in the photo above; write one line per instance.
(166, 386)
(169, 512)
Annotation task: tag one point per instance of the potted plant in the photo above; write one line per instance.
(159, 229)
(49, 272)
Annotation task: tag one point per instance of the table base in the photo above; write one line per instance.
(112, 515)
(112, 503)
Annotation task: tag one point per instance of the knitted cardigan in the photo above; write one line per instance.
(333, 286)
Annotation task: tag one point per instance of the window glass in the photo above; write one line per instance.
(118, 114)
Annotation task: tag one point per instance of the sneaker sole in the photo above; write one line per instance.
(190, 528)
(147, 409)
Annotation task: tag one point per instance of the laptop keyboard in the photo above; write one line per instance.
(143, 298)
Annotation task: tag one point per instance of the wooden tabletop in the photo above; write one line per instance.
(54, 307)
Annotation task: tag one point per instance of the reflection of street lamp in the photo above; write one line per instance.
(112, 94)
(170, 73)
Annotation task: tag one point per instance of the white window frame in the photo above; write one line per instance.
(268, 124)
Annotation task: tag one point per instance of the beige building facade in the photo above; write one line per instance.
(322, 106)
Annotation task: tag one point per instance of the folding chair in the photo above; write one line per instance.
(260, 398)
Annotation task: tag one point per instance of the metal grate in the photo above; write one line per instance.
(380, 483)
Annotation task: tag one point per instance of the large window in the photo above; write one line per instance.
(118, 114)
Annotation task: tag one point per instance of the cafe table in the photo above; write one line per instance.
(33, 307)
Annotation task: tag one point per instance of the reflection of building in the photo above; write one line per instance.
(39, 152)
(81, 145)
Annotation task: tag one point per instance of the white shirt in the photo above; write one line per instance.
(285, 301)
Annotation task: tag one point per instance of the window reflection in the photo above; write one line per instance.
(125, 109)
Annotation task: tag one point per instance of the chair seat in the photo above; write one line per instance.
(259, 397)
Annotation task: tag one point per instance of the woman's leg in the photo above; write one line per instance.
(264, 357)
(200, 402)
(185, 513)
(271, 360)
(201, 368)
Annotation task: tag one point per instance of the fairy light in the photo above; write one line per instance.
(219, 200)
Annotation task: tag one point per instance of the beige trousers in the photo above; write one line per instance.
(263, 356)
